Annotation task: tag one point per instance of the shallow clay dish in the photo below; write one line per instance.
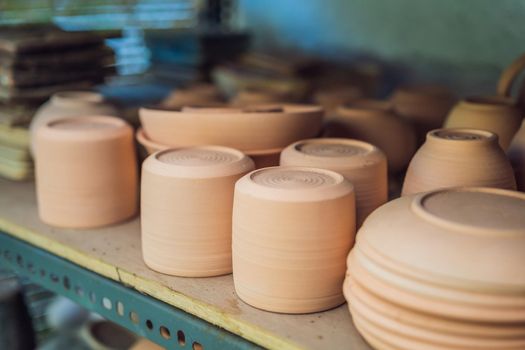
(186, 209)
(86, 172)
(292, 229)
(248, 129)
(497, 114)
(361, 163)
(458, 157)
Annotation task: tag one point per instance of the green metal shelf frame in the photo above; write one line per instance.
(163, 324)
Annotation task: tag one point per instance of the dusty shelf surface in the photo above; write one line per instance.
(114, 252)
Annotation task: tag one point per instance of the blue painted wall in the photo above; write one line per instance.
(462, 43)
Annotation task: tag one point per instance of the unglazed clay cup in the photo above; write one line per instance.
(247, 129)
(261, 158)
(292, 229)
(67, 104)
(186, 209)
(361, 163)
(442, 290)
(375, 122)
(458, 157)
(516, 154)
(425, 106)
(86, 172)
(497, 114)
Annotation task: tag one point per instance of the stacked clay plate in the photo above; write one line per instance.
(441, 270)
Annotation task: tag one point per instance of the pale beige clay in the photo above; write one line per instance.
(86, 172)
(70, 104)
(292, 230)
(497, 114)
(247, 129)
(443, 289)
(262, 158)
(361, 163)
(186, 209)
(458, 157)
(375, 122)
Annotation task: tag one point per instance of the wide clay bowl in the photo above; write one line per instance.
(361, 163)
(458, 157)
(186, 209)
(292, 228)
(497, 114)
(246, 129)
(261, 158)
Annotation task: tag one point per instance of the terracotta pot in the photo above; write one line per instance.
(292, 228)
(458, 157)
(86, 172)
(442, 290)
(516, 154)
(70, 104)
(257, 128)
(261, 158)
(496, 114)
(186, 209)
(375, 122)
(361, 163)
(332, 98)
(201, 94)
(425, 106)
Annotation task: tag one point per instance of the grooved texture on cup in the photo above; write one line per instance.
(186, 209)
(292, 230)
(458, 157)
(86, 172)
(361, 163)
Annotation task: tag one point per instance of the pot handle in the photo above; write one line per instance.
(509, 75)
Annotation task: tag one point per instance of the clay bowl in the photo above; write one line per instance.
(375, 122)
(361, 163)
(86, 172)
(195, 94)
(248, 129)
(261, 158)
(497, 114)
(516, 154)
(425, 106)
(331, 98)
(186, 209)
(292, 229)
(458, 157)
(250, 97)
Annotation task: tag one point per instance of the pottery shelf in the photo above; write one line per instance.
(102, 269)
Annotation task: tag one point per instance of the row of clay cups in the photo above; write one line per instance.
(86, 172)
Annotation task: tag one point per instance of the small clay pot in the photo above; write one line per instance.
(261, 158)
(361, 163)
(250, 97)
(497, 114)
(70, 104)
(201, 94)
(186, 209)
(458, 157)
(86, 172)
(249, 129)
(516, 154)
(334, 97)
(292, 228)
(425, 106)
(375, 122)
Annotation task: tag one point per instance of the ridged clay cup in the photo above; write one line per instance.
(458, 157)
(292, 229)
(375, 122)
(443, 290)
(497, 114)
(86, 172)
(67, 104)
(361, 163)
(186, 209)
